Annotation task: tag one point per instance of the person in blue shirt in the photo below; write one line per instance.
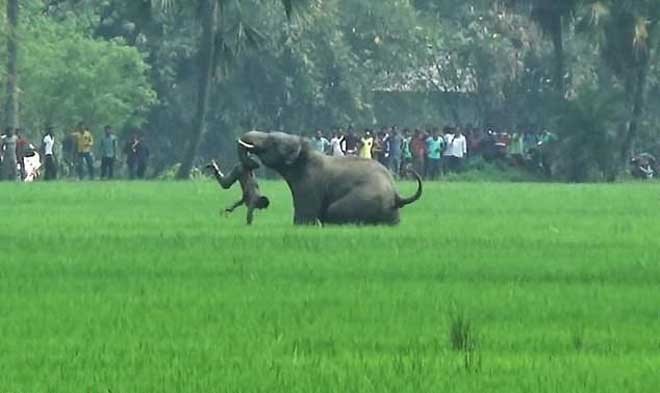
(320, 143)
(435, 145)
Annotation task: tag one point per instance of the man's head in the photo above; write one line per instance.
(9, 131)
(262, 203)
(108, 130)
(319, 133)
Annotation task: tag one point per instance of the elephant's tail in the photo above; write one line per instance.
(401, 202)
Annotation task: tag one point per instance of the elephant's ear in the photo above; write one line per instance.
(290, 150)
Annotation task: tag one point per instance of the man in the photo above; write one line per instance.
(544, 147)
(352, 143)
(418, 146)
(320, 143)
(85, 145)
(643, 166)
(366, 144)
(396, 146)
(142, 156)
(244, 174)
(49, 157)
(22, 145)
(406, 151)
(377, 148)
(9, 162)
(456, 149)
(108, 153)
(130, 151)
(337, 144)
(434, 147)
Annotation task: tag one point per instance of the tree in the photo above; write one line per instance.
(551, 17)
(11, 104)
(209, 10)
(61, 67)
(627, 35)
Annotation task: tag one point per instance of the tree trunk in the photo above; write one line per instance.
(558, 45)
(638, 110)
(11, 105)
(206, 56)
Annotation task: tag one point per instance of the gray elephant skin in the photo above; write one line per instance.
(325, 189)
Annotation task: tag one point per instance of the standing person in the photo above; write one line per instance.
(396, 146)
(22, 145)
(434, 147)
(320, 143)
(85, 145)
(352, 143)
(366, 144)
(108, 153)
(130, 150)
(516, 149)
(142, 155)
(9, 161)
(418, 146)
(406, 151)
(456, 149)
(377, 147)
(336, 144)
(49, 156)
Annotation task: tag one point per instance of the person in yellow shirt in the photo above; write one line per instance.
(85, 144)
(366, 144)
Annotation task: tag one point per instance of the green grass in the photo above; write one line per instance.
(145, 287)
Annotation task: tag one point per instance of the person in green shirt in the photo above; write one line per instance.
(435, 145)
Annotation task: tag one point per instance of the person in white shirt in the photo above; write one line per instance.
(49, 156)
(337, 144)
(456, 149)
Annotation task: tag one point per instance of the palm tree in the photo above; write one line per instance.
(551, 16)
(628, 36)
(11, 105)
(210, 12)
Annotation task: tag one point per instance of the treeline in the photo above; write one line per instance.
(193, 74)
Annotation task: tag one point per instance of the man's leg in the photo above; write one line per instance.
(111, 168)
(226, 181)
(141, 169)
(90, 165)
(79, 166)
(104, 163)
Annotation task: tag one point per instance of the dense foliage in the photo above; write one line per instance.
(510, 65)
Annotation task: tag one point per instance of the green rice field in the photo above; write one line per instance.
(146, 287)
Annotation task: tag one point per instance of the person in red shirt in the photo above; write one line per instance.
(418, 148)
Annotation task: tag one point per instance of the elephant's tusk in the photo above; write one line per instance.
(245, 144)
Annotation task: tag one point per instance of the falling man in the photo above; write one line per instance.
(244, 174)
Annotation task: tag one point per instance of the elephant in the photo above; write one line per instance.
(326, 189)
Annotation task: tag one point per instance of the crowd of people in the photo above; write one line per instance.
(22, 160)
(431, 152)
(434, 152)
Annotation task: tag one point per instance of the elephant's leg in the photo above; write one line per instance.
(307, 207)
(303, 218)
